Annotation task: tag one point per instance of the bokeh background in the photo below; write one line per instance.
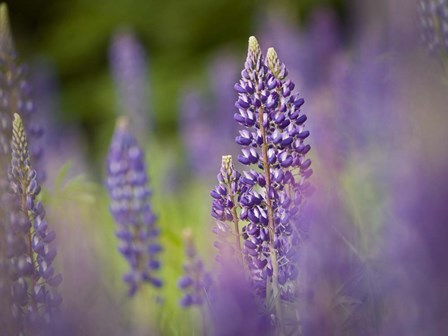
(181, 38)
(375, 262)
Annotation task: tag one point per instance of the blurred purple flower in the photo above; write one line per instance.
(17, 96)
(279, 29)
(129, 69)
(358, 80)
(223, 72)
(197, 133)
(196, 282)
(235, 309)
(434, 25)
(127, 183)
(207, 116)
(323, 42)
(62, 141)
(309, 52)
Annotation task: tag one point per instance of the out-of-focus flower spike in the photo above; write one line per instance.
(196, 132)
(196, 281)
(16, 94)
(137, 232)
(129, 69)
(434, 25)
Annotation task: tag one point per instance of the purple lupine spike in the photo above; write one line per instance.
(324, 41)
(308, 52)
(223, 72)
(129, 70)
(137, 232)
(16, 96)
(277, 27)
(224, 209)
(196, 132)
(434, 25)
(196, 281)
(273, 192)
(35, 299)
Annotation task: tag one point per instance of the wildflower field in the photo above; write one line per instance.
(223, 168)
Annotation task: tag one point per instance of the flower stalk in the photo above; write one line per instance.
(224, 210)
(137, 232)
(272, 195)
(34, 291)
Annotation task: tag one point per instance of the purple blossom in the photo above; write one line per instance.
(235, 309)
(62, 141)
(35, 300)
(129, 70)
(224, 210)
(197, 133)
(223, 72)
(274, 141)
(196, 282)
(309, 52)
(127, 183)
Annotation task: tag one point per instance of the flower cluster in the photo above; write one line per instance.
(434, 24)
(16, 97)
(224, 206)
(35, 299)
(273, 140)
(196, 282)
(127, 182)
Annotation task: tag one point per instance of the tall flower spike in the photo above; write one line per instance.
(196, 132)
(272, 193)
(127, 182)
(129, 70)
(224, 210)
(34, 291)
(196, 282)
(16, 96)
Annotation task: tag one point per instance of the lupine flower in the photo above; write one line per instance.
(196, 281)
(223, 72)
(324, 42)
(309, 52)
(35, 298)
(129, 69)
(127, 182)
(196, 133)
(16, 95)
(272, 194)
(290, 41)
(202, 120)
(434, 25)
(62, 141)
(224, 210)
